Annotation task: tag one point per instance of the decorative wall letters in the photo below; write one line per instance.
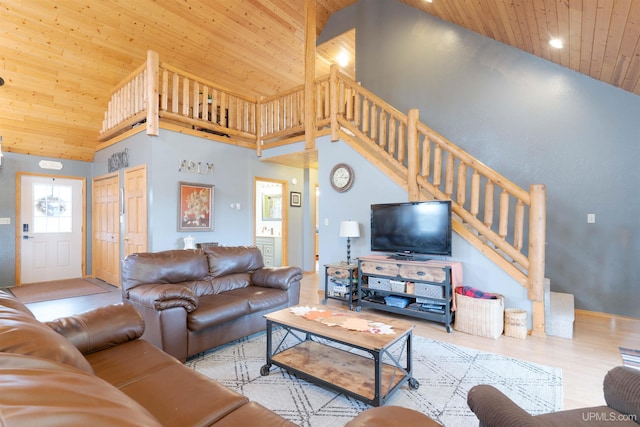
(118, 161)
(195, 167)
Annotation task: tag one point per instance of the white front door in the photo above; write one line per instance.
(51, 222)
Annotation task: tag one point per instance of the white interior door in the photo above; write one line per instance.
(51, 228)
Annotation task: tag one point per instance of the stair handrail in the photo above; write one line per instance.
(434, 165)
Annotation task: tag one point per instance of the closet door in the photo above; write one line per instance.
(106, 228)
(135, 210)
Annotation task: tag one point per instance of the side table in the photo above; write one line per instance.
(344, 280)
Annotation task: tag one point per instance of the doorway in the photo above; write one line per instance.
(50, 228)
(271, 220)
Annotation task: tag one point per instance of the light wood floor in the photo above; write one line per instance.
(584, 360)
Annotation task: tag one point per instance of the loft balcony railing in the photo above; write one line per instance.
(504, 221)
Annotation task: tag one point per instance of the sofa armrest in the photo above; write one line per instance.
(163, 296)
(276, 277)
(621, 388)
(494, 409)
(101, 327)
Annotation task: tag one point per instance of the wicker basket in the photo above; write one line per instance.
(380, 284)
(477, 316)
(515, 323)
(430, 291)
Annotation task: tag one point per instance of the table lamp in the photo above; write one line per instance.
(349, 229)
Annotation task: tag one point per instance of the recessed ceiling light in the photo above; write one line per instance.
(557, 43)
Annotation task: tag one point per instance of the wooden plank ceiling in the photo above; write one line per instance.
(61, 58)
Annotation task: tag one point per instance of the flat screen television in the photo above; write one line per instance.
(406, 229)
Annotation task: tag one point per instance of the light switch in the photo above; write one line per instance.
(591, 218)
(5, 221)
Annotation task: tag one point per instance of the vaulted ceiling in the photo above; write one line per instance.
(60, 59)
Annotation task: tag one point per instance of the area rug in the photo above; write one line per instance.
(58, 289)
(445, 372)
(630, 357)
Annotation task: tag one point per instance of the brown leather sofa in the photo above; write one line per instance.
(194, 300)
(621, 392)
(95, 371)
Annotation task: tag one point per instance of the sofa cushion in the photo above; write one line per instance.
(260, 299)
(172, 266)
(180, 397)
(39, 392)
(21, 333)
(225, 260)
(216, 309)
(247, 415)
(220, 284)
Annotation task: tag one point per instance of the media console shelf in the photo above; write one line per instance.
(419, 289)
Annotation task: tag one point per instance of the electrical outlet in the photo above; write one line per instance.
(591, 218)
(5, 221)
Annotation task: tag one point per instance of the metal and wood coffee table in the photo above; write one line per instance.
(361, 364)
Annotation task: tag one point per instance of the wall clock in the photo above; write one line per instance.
(341, 177)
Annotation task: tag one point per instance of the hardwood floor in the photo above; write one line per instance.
(584, 360)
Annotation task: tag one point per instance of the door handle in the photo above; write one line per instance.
(25, 237)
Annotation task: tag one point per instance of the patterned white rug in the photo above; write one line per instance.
(445, 372)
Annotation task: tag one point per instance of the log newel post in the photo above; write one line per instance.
(152, 95)
(333, 102)
(537, 242)
(413, 154)
(310, 75)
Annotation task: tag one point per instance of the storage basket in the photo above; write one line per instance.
(397, 286)
(515, 323)
(380, 284)
(478, 316)
(430, 291)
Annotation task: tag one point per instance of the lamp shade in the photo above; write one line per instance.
(349, 229)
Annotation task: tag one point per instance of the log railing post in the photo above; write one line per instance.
(333, 99)
(413, 154)
(152, 95)
(309, 74)
(537, 241)
(259, 127)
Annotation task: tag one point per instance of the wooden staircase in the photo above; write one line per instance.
(500, 219)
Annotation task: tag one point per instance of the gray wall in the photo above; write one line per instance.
(12, 164)
(529, 119)
(233, 179)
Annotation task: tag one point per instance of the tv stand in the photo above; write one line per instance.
(426, 287)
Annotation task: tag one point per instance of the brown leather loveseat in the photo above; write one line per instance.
(92, 369)
(194, 300)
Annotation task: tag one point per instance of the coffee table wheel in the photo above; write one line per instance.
(264, 371)
(358, 308)
(324, 301)
(449, 330)
(414, 384)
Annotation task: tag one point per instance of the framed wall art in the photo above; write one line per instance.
(295, 199)
(195, 207)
